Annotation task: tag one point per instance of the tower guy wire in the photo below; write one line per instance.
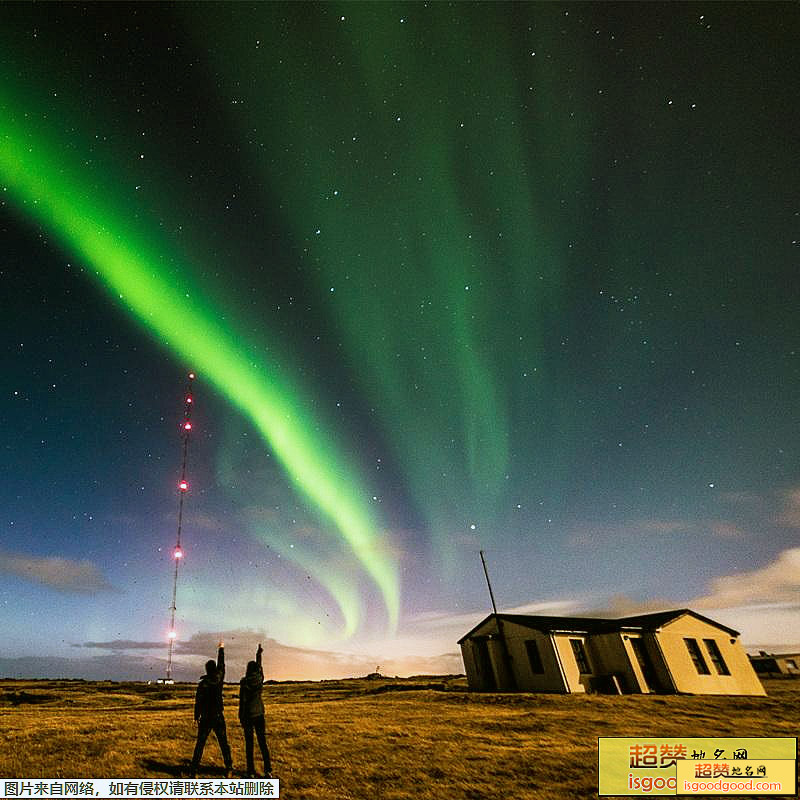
(183, 488)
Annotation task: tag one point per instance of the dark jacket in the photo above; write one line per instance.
(250, 702)
(208, 700)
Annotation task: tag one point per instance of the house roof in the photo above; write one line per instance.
(771, 656)
(640, 622)
(651, 622)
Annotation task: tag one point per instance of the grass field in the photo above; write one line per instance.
(425, 738)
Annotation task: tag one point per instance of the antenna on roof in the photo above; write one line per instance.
(509, 678)
(488, 582)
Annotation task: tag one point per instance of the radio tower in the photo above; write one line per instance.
(183, 488)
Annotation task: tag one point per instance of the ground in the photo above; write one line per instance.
(424, 738)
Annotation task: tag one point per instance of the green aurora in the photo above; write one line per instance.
(481, 276)
(44, 184)
(428, 327)
(422, 322)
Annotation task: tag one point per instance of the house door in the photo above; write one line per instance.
(645, 664)
(484, 662)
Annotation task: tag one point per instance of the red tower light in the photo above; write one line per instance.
(191, 376)
(187, 426)
(189, 399)
(178, 552)
(183, 486)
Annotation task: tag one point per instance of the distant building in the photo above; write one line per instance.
(671, 652)
(776, 664)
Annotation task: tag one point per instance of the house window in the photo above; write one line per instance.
(579, 652)
(716, 657)
(534, 658)
(697, 657)
(791, 663)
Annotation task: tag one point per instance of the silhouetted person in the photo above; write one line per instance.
(208, 712)
(251, 714)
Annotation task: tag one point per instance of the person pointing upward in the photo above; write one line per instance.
(251, 714)
(209, 713)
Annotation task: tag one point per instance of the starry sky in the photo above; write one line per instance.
(519, 278)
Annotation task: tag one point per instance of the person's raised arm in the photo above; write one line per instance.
(258, 660)
(221, 660)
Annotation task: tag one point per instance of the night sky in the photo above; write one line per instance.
(520, 278)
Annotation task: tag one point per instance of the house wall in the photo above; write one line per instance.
(742, 680)
(777, 664)
(516, 636)
(613, 655)
(766, 666)
(576, 682)
(470, 667)
(664, 683)
(502, 661)
(787, 668)
(476, 680)
(527, 679)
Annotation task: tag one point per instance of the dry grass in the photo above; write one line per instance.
(366, 740)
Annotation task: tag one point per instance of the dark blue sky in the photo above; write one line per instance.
(523, 277)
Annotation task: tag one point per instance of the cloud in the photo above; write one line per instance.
(778, 582)
(740, 498)
(665, 527)
(763, 604)
(587, 534)
(96, 668)
(726, 530)
(659, 526)
(776, 585)
(764, 626)
(444, 664)
(443, 620)
(62, 574)
(621, 605)
(122, 644)
(281, 662)
(790, 515)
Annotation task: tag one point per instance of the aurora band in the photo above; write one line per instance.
(50, 190)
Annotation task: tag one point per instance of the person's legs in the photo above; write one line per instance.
(260, 728)
(247, 727)
(203, 729)
(222, 737)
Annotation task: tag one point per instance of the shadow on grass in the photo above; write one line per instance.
(174, 770)
(181, 769)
